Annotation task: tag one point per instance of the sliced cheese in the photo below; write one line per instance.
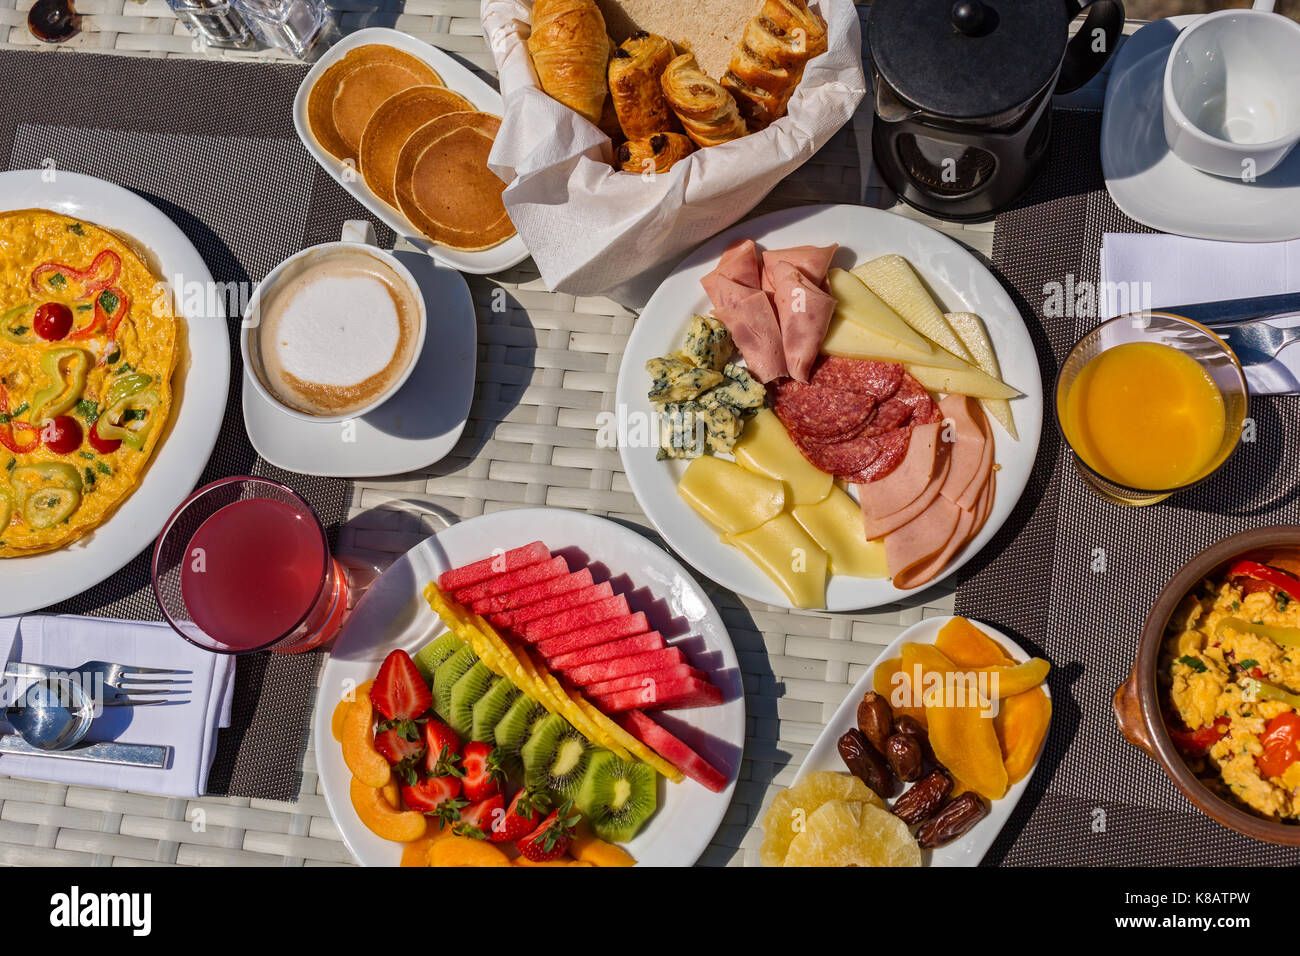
(968, 381)
(892, 279)
(789, 556)
(729, 497)
(836, 525)
(850, 340)
(859, 305)
(766, 448)
(970, 329)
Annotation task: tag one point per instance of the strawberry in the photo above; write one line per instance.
(436, 797)
(399, 692)
(483, 774)
(401, 747)
(480, 819)
(550, 840)
(522, 816)
(442, 744)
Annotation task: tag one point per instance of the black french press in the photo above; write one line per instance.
(963, 93)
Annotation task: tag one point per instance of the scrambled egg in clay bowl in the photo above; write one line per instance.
(106, 422)
(1215, 693)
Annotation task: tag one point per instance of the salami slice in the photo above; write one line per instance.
(914, 395)
(880, 380)
(842, 458)
(820, 413)
(891, 414)
(892, 447)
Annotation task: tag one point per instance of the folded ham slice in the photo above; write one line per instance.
(812, 261)
(747, 314)
(804, 311)
(739, 262)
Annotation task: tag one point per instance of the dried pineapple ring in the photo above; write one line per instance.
(841, 833)
(788, 815)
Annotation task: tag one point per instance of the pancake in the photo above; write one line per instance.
(320, 108)
(393, 123)
(453, 149)
(374, 78)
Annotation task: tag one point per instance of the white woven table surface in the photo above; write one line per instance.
(556, 357)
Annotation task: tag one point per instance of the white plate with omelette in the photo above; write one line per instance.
(198, 389)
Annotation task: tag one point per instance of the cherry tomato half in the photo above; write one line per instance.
(105, 446)
(62, 435)
(53, 321)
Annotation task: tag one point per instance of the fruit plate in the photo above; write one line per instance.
(970, 848)
(959, 282)
(393, 614)
(458, 78)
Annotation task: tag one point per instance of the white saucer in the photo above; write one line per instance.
(1159, 190)
(416, 427)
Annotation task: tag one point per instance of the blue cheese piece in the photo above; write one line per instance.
(674, 379)
(682, 431)
(722, 427)
(739, 390)
(708, 343)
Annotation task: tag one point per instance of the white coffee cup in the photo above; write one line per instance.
(1232, 92)
(358, 236)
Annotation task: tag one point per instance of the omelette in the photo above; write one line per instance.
(88, 345)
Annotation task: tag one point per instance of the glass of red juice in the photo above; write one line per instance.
(244, 565)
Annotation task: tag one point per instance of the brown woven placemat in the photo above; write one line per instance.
(1072, 576)
(228, 169)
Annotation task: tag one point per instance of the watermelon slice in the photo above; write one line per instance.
(573, 619)
(505, 583)
(552, 606)
(636, 664)
(645, 680)
(637, 644)
(541, 591)
(489, 567)
(672, 749)
(664, 695)
(596, 634)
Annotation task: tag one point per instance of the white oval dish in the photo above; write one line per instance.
(393, 614)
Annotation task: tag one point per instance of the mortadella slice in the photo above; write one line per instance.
(983, 473)
(739, 263)
(967, 439)
(916, 542)
(804, 311)
(748, 316)
(969, 524)
(812, 261)
(898, 489)
(879, 527)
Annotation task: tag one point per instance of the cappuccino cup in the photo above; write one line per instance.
(335, 331)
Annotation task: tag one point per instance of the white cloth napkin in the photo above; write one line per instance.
(189, 728)
(1178, 271)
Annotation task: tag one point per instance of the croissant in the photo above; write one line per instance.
(707, 111)
(655, 153)
(570, 50)
(768, 62)
(634, 72)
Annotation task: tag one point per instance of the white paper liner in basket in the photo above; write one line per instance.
(592, 228)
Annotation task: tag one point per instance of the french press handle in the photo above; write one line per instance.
(1090, 48)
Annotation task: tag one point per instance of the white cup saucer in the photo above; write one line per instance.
(1154, 187)
(416, 427)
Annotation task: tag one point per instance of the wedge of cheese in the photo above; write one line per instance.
(789, 556)
(836, 525)
(729, 497)
(859, 305)
(892, 279)
(766, 448)
(848, 339)
(970, 329)
(967, 381)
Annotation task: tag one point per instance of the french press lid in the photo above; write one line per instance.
(967, 59)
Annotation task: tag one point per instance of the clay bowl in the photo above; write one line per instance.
(1137, 702)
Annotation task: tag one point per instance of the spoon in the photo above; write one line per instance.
(53, 713)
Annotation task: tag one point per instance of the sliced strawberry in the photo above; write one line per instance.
(436, 797)
(442, 744)
(522, 816)
(397, 745)
(399, 692)
(483, 776)
(550, 840)
(479, 819)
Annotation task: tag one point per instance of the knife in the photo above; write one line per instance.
(1244, 323)
(127, 755)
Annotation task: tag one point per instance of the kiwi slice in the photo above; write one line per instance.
(435, 652)
(515, 727)
(445, 676)
(617, 797)
(489, 709)
(465, 693)
(555, 756)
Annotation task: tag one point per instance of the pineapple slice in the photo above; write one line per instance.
(892, 279)
(970, 329)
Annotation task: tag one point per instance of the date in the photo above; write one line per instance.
(875, 719)
(923, 799)
(866, 763)
(952, 821)
(909, 725)
(906, 757)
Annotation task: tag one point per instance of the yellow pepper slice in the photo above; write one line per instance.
(66, 369)
(48, 493)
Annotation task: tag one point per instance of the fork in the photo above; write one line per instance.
(122, 688)
(1245, 323)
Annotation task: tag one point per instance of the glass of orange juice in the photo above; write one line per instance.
(1150, 404)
